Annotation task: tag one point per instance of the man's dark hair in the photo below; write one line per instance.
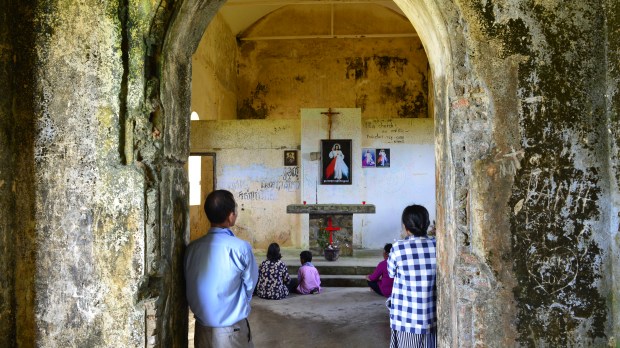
(305, 256)
(218, 206)
(415, 219)
(387, 248)
(273, 252)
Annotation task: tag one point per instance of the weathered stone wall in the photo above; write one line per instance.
(561, 191)
(7, 170)
(100, 218)
(612, 93)
(214, 73)
(81, 258)
(19, 171)
(528, 149)
(385, 77)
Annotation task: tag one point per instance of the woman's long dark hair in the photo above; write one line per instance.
(415, 218)
(273, 252)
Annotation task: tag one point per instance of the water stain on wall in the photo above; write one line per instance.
(357, 67)
(411, 102)
(360, 101)
(255, 107)
(386, 64)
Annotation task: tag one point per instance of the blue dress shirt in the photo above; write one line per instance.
(220, 276)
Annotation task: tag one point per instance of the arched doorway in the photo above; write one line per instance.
(182, 40)
(277, 77)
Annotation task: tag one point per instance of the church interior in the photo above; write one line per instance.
(500, 116)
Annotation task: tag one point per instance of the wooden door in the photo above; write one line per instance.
(201, 169)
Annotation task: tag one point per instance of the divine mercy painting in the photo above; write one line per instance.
(336, 162)
(383, 158)
(368, 158)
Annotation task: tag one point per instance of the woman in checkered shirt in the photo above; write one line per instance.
(413, 265)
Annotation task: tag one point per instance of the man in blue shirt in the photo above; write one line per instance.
(220, 276)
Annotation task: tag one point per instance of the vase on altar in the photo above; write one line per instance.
(331, 253)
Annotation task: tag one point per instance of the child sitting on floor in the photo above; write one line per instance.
(380, 280)
(307, 276)
(273, 278)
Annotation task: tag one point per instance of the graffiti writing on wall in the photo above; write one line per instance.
(559, 196)
(553, 229)
(265, 188)
(385, 131)
(509, 162)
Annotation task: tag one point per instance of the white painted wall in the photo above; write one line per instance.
(249, 162)
(315, 126)
(409, 180)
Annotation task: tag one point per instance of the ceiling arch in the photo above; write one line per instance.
(242, 15)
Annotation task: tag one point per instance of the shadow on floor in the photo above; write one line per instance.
(338, 317)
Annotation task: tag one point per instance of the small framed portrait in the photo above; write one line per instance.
(369, 158)
(336, 162)
(290, 157)
(383, 158)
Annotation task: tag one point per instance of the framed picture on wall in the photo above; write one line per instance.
(336, 162)
(369, 158)
(290, 157)
(383, 158)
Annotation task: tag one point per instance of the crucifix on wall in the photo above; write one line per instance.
(329, 114)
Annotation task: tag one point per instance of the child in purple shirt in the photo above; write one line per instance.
(307, 276)
(380, 280)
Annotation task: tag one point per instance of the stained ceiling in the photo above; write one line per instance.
(241, 15)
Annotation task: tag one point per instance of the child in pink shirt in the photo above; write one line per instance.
(380, 280)
(307, 276)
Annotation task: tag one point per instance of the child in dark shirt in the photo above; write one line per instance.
(273, 276)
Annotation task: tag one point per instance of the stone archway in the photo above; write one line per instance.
(181, 41)
(95, 192)
(523, 184)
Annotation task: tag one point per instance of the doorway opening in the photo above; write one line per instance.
(202, 180)
(264, 72)
(432, 36)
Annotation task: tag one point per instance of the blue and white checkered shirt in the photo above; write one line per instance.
(413, 265)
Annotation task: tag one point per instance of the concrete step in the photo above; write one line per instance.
(341, 273)
(347, 271)
(336, 269)
(340, 281)
(359, 255)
